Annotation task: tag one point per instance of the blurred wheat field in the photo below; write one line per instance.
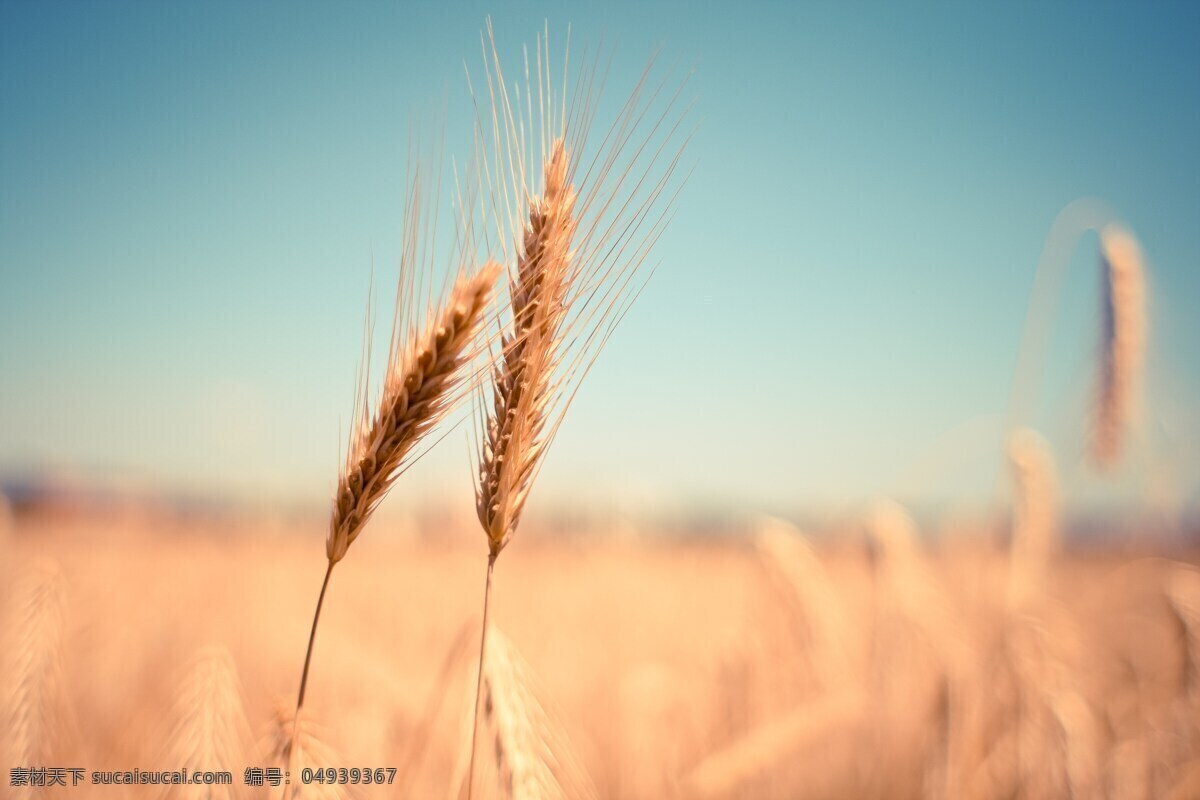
(675, 669)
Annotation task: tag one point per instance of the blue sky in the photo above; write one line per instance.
(192, 196)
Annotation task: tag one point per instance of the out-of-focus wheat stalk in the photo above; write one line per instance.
(294, 742)
(209, 730)
(530, 755)
(1035, 517)
(787, 555)
(1123, 342)
(31, 668)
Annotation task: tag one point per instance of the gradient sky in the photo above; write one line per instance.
(192, 196)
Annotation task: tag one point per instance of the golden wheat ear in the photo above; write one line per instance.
(426, 378)
(573, 240)
(1123, 342)
(428, 373)
(209, 729)
(31, 667)
(573, 213)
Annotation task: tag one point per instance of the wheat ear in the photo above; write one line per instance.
(577, 244)
(426, 377)
(209, 724)
(31, 667)
(523, 385)
(1123, 341)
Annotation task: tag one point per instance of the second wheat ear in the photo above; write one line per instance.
(574, 229)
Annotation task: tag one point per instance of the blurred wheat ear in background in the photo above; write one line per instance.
(210, 731)
(526, 753)
(295, 742)
(1123, 342)
(32, 702)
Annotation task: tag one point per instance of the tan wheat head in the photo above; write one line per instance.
(523, 377)
(424, 380)
(1123, 342)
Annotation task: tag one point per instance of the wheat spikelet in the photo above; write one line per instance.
(294, 742)
(424, 380)
(530, 755)
(1123, 342)
(31, 702)
(209, 730)
(1034, 526)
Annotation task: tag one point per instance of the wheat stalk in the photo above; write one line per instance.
(209, 731)
(1123, 342)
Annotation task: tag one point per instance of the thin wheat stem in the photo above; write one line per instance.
(312, 637)
(487, 594)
